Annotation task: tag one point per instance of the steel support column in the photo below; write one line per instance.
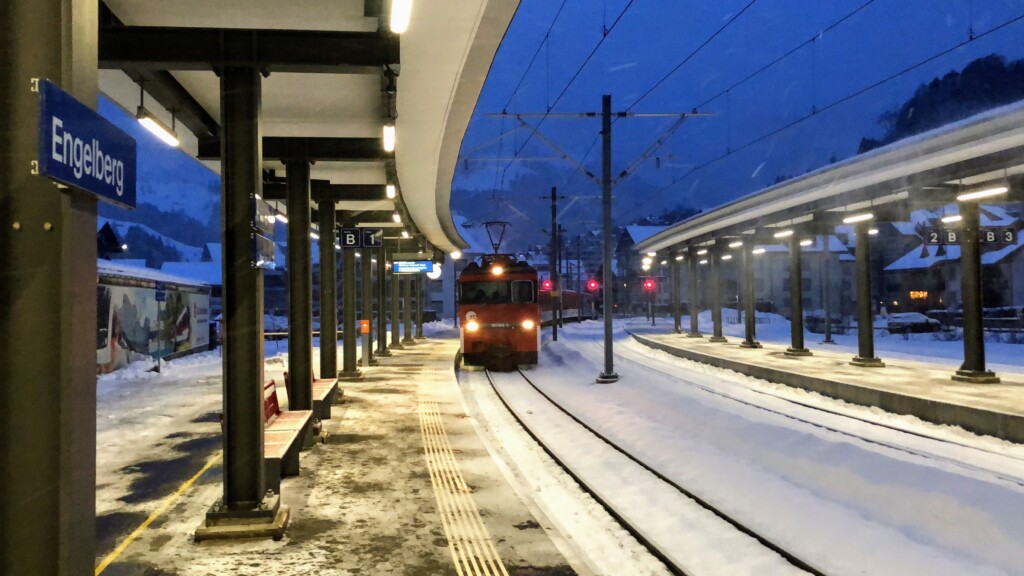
(328, 294)
(419, 306)
(396, 311)
(796, 303)
(47, 304)
(715, 260)
(300, 283)
(382, 318)
(826, 289)
(366, 308)
(348, 309)
(693, 307)
(407, 309)
(865, 315)
(749, 334)
(973, 368)
(676, 272)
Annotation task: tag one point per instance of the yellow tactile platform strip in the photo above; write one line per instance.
(470, 543)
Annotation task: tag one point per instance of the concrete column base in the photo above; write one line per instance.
(718, 339)
(607, 378)
(268, 521)
(420, 337)
(976, 376)
(408, 342)
(350, 376)
(384, 353)
(694, 335)
(830, 342)
(867, 362)
(752, 344)
(798, 352)
(396, 347)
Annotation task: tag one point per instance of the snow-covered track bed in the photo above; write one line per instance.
(999, 459)
(690, 535)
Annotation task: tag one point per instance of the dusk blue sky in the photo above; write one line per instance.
(883, 38)
(168, 177)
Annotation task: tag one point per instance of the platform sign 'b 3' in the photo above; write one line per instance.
(351, 238)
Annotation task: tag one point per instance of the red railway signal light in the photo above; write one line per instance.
(649, 284)
(592, 285)
(546, 285)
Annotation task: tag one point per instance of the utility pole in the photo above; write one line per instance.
(553, 263)
(608, 376)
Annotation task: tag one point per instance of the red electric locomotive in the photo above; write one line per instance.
(499, 313)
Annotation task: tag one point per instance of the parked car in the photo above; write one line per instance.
(814, 321)
(905, 322)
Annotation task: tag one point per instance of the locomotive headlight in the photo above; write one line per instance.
(528, 324)
(497, 270)
(472, 326)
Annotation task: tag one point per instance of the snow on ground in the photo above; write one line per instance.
(928, 346)
(694, 538)
(604, 545)
(849, 505)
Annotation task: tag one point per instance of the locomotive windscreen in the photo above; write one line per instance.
(499, 292)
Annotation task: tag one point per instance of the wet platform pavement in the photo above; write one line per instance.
(401, 484)
(916, 388)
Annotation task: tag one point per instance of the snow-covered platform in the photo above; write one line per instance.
(401, 484)
(916, 388)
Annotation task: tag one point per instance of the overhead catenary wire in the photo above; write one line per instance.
(830, 106)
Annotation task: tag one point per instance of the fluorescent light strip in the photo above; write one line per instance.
(987, 193)
(858, 218)
(389, 137)
(784, 234)
(952, 219)
(401, 14)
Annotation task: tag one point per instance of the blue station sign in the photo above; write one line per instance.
(80, 148)
(412, 266)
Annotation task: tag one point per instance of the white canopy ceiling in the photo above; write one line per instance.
(445, 56)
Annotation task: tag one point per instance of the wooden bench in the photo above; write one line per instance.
(324, 392)
(283, 436)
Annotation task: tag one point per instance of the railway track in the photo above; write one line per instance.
(637, 531)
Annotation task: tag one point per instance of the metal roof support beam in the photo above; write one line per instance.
(324, 191)
(312, 149)
(304, 51)
(165, 89)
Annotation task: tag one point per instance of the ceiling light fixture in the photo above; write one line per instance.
(401, 13)
(389, 136)
(986, 193)
(702, 251)
(736, 244)
(783, 234)
(858, 218)
(153, 124)
(390, 189)
(951, 219)
(758, 251)
(397, 217)
(806, 242)
(456, 255)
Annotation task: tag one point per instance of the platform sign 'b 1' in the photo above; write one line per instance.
(351, 238)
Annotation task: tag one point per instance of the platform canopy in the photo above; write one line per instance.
(929, 169)
(328, 63)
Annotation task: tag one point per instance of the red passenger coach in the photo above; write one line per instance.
(499, 313)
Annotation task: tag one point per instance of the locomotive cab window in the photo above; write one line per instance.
(523, 291)
(485, 293)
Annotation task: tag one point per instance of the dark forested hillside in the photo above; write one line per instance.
(983, 84)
